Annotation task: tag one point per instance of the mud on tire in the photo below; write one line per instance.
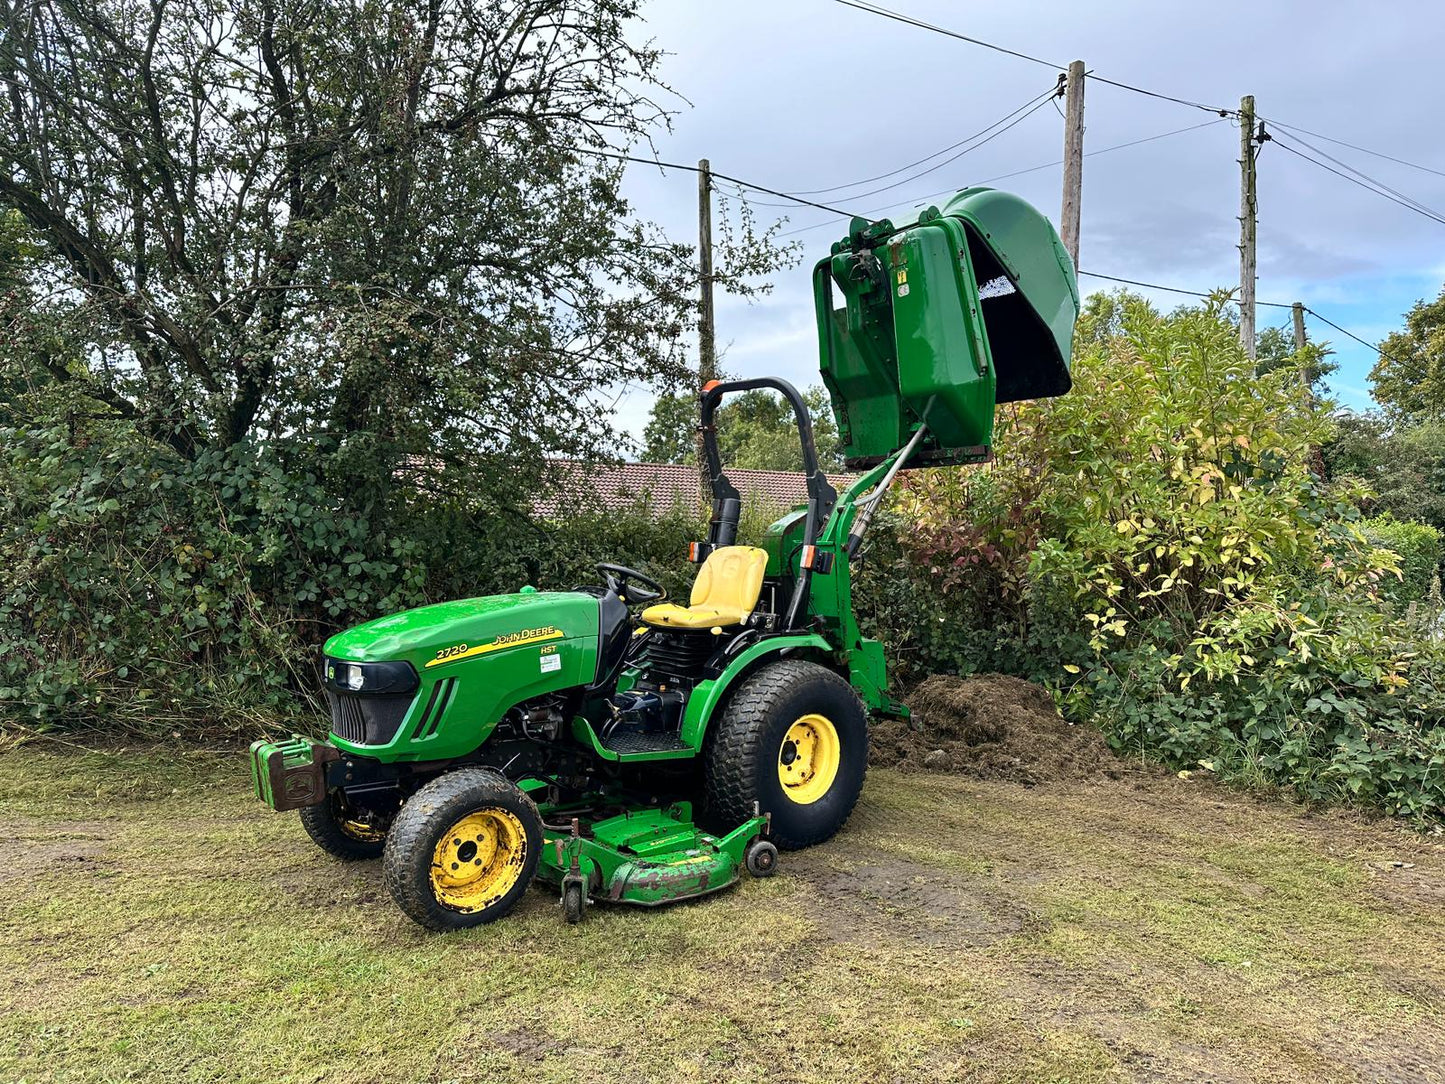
(431, 821)
(340, 836)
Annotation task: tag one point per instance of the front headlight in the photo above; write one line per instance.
(370, 678)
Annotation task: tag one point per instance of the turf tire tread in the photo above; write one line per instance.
(409, 843)
(735, 747)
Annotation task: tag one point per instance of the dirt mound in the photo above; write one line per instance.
(990, 727)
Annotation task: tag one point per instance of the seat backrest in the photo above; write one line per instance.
(731, 578)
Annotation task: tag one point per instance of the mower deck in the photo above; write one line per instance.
(644, 857)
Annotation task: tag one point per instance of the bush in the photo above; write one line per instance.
(1419, 549)
(1161, 536)
(141, 593)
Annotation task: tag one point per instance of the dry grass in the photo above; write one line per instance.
(158, 924)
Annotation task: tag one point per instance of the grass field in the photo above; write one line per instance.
(156, 923)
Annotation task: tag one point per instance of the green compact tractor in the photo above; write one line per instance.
(642, 758)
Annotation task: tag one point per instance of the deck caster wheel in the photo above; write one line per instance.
(761, 858)
(574, 902)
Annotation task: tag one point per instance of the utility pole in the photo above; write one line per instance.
(1298, 310)
(1248, 209)
(707, 343)
(706, 335)
(1073, 159)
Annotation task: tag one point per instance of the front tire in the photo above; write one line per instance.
(463, 850)
(337, 831)
(794, 740)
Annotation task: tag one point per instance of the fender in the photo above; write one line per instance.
(706, 695)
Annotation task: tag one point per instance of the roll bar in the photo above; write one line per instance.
(726, 502)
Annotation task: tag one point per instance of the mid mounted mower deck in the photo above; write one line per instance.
(480, 744)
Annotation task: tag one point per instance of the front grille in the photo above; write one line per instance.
(367, 720)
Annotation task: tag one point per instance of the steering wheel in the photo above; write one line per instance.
(617, 578)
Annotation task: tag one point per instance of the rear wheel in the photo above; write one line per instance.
(462, 850)
(794, 739)
(340, 832)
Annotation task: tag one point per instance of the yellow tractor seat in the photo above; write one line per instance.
(724, 593)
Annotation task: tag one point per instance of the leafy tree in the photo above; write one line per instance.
(318, 219)
(295, 297)
(756, 430)
(1274, 349)
(671, 432)
(1404, 468)
(1409, 378)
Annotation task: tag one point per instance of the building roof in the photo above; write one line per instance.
(665, 486)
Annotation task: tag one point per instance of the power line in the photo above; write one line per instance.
(877, 9)
(617, 156)
(1386, 189)
(1367, 183)
(908, 20)
(1021, 172)
(1353, 147)
(1051, 92)
(1175, 289)
(1345, 331)
(1270, 304)
(1037, 105)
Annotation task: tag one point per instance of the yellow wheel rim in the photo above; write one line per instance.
(361, 831)
(808, 759)
(478, 860)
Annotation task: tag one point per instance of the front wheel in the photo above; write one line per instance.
(794, 740)
(340, 832)
(462, 850)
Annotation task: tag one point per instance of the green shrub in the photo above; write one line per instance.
(144, 594)
(1420, 553)
(1158, 545)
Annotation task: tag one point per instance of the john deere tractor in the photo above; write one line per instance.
(640, 756)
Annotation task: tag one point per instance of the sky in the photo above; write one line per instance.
(809, 94)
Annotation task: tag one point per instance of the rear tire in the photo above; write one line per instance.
(463, 850)
(331, 827)
(793, 738)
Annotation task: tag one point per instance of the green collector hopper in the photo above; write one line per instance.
(936, 318)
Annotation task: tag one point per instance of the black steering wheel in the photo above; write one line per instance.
(617, 577)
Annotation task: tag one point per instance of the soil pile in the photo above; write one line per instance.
(990, 727)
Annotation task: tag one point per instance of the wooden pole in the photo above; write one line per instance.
(707, 343)
(1298, 309)
(706, 333)
(1073, 159)
(1248, 210)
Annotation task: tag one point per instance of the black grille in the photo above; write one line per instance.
(366, 720)
(677, 657)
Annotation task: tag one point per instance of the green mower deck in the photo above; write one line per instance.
(644, 857)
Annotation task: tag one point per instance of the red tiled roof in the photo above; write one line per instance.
(665, 486)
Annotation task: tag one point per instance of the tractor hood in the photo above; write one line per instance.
(447, 633)
(474, 659)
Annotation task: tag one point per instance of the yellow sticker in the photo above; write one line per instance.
(902, 275)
